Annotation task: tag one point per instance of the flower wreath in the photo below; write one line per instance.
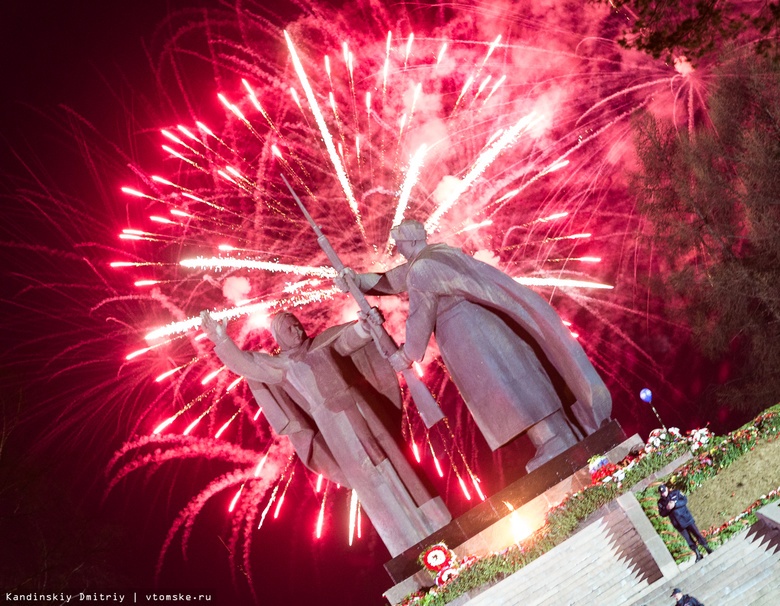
(442, 562)
(447, 575)
(456, 567)
(437, 557)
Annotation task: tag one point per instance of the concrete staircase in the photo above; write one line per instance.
(608, 563)
(744, 571)
(602, 564)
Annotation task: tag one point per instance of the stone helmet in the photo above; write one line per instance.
(409, 230)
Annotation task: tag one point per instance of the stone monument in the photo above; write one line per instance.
(495, 337)
(327, 394)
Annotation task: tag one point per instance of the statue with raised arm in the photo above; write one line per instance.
(495, 337)
(330, 395)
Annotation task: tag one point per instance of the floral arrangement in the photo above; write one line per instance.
(601, 469)
(442, 562)
(437, 557)
(717, 453)
(659, 438)
(612, 472)
(659, 441)
(596, 463)
(699, 438)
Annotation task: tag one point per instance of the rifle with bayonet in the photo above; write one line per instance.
(426, 405)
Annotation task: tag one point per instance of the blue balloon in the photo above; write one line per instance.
(646, 395)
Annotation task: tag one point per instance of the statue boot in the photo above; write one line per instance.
(551, 436)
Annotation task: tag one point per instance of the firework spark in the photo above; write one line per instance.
(510, 144)
(484, 146)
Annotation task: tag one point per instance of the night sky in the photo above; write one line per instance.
(91, 57)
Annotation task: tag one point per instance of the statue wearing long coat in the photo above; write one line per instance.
(326, 395)
(484, 322)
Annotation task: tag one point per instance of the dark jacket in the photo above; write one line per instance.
(687, 600)
(679, 516)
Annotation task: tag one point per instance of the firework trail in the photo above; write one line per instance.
(504, 128)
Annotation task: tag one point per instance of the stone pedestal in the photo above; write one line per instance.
(514, 512)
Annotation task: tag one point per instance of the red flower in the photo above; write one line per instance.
(603, 472)
(437, 557)
(445, 576)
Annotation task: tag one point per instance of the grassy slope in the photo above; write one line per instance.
(735, 488)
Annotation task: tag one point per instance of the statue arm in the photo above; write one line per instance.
(389, 283)
(255, 366)
(369, 281)
(352, 338)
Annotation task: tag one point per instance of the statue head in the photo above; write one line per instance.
(410, 230)
(410, 237)
(287, 330)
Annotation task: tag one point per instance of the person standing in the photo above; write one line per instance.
(673, 504)
(684, 599)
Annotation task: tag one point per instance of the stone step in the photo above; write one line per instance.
(531, 584)
(599, 566)
(607, 562)
(745, 570)
(594, 568)
(753, 586)
(769, 592)
(610, 587)
(618, 594)
(755, 575)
